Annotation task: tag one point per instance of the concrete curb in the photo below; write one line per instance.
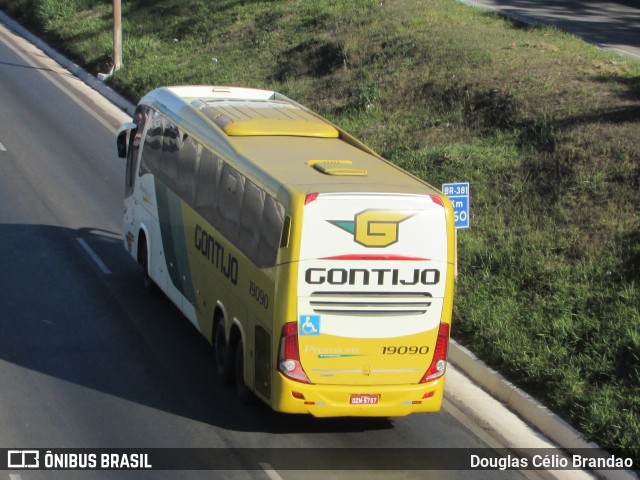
(106, 91)
(528, 408)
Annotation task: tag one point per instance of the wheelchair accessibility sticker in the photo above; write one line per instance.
(309, 325)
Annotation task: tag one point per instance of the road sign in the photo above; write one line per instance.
(458, 193)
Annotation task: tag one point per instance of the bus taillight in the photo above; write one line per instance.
(310, 198)
(439, 362)
(437, 200)
(289, 355)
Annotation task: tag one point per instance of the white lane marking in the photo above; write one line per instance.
(94, 256)
(14, 476)
(271, 473)
(2, 148)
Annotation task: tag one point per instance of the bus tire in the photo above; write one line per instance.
(143, 259)
(222, 353)
(241, 388)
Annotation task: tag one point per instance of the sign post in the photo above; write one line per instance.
(117, 35)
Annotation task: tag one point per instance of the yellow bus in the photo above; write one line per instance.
(322, 274)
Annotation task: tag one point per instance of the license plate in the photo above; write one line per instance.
(364, 399)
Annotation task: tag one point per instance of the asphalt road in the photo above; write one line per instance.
(87, 359)
(612, 24)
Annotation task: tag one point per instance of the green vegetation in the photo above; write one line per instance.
(545, 127)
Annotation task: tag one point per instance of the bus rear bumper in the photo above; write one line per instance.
(336, 400)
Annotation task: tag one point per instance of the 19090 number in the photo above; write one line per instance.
(405, 350)
(258, 294)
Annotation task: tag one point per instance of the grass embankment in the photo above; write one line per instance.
(545, 127)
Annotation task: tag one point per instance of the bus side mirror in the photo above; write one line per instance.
(123, 137)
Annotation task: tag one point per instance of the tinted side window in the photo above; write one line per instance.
(207, 184)
(168, 160)
(227, 218)
(270, 232)
(250, 219)
(188, 160)
(152, 148)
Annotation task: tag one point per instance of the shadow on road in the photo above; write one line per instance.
(64, 317)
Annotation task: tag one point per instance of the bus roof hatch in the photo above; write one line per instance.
(266, 118)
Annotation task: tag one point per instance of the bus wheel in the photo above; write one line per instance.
(143, 260)
(243, 391)
(222, 354)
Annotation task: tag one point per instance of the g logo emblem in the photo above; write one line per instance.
(374, 228)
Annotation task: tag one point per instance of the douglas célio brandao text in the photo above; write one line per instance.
(549, 461)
